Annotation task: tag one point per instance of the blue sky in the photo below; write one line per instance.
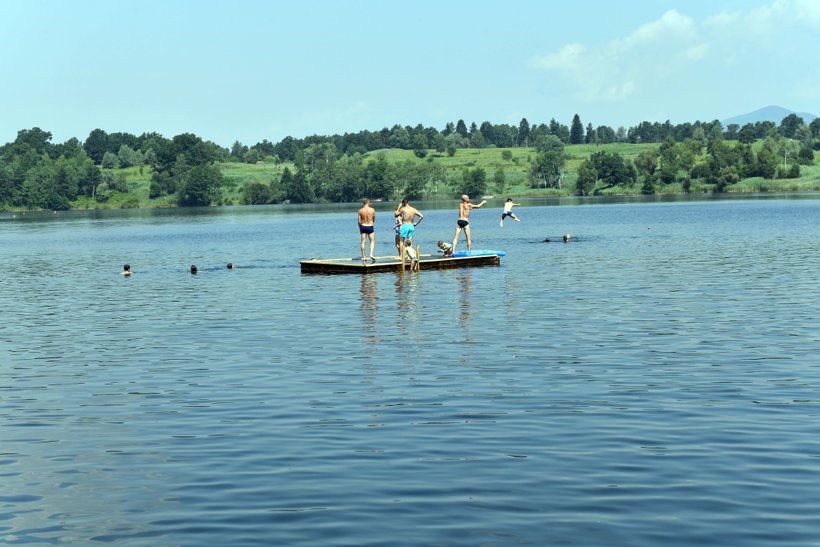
(252, 70)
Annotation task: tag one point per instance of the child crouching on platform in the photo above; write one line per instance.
(445, 248)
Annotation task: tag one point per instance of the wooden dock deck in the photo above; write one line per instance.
(393, 264)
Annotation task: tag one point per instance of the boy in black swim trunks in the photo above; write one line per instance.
(463, 222)
(367, 220)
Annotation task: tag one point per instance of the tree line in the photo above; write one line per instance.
(36, 173)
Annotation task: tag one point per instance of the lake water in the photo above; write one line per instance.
(654, 382)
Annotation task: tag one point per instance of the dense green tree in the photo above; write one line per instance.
(35, 138)
(747, 162)
(605, 134)
(767, 159)
(40, 190)
(110, 161)
(548, 165)
(747, 134)
(399, 138)
(439, 143)
(238, 151)
(477, 140)
(413, 176)
(559, 130)
(299, 190)
(265, 148)
(523, 132)
(350, 172)
(590, 137)
(420, 145)
(454, 140)
(504, 135)
(66, 179)
(587, 177)
(7, 190)
(806, 155)
(461, 128)
(90, 178)
(500, 179)
(668, 153)
(200, 186)
(256, 193)
(576, 131)
(473, 182)
(379, 178)
(726, 177)
(648, 186)
(647, 162)
(612, 169)
(96, 145)
(815, 128)
(127, 156)
(71, 149)
(251, 156)
(803, 135)
(150, 158)
(789, 125)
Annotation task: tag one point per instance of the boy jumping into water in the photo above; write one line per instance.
(508, 205)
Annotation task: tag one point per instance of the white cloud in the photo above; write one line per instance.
(670, 48)
(769, 18)
(616, 71)
(672, 25)
(696, 53)
(568, 57)
(808, 11)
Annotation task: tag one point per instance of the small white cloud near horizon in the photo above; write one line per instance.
(615, 71)
(675, 50)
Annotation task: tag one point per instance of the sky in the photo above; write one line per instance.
(248, 70)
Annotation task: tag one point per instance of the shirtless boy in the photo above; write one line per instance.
(508, 205)
(367, 221)
(463, 223)
(408, 215)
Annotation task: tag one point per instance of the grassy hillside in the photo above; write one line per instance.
(516, 170)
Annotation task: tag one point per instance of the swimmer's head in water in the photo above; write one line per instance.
(193, 269)
(230, 265)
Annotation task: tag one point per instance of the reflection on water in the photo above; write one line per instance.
(464, 281)
(370, 307)
(635, 387)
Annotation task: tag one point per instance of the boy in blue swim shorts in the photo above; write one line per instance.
(408, 215)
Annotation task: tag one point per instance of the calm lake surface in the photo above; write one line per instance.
(654, 382)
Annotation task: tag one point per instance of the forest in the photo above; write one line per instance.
(123, 170)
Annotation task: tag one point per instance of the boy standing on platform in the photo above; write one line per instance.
(463, 222)
(367, 221)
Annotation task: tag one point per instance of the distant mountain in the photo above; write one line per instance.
(767, 114)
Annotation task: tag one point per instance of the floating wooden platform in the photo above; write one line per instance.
(393, 264)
